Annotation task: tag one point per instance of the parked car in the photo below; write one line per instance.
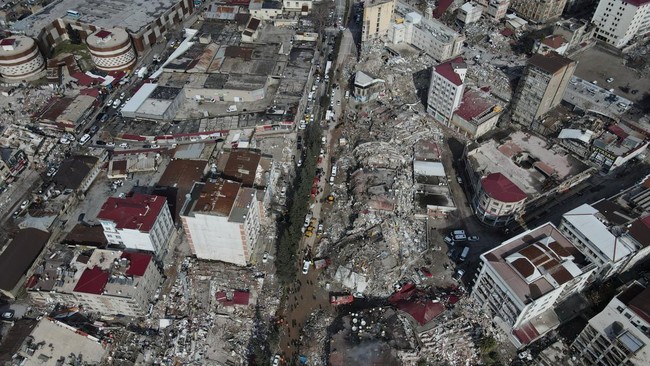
(24, 204)
(472, 238)
(449, 240)
(8, 315)
(459, 274)
(94, 129)
(265, 257)
(305, 267)
(84, 139)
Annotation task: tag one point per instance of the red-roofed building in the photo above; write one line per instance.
(141, 222)
(422, 311)
(498, 200)
(104, 281)
(446, 89)
(554, 42)
(92, 281)
(477, 114)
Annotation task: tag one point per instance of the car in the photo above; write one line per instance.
(147, 146)
(459, 180)
(117, 103)
(276, 360)
(472, 238)
(110, 144)
(122, 95)
(305, 267)
(320, 228)
(338, 102)
(124, 145)
(94, 129)
(265, 257)
(7, 315)
(104, 118)
(109, 102)
(100, 143)
(459, 274)
(449, 240)
(84, 139)
(24, 204)
(609, 80)
(299, 162)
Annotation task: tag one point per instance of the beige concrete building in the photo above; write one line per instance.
(521, 281)
(537, 11)
(541, 88)
(377, 16)
(103, 281)
(619, 334)
(618, 22)
(477, 114)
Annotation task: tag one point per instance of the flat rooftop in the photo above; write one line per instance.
(52, 340)
(132, 15)
(215, 198)
(526, 160)
(535, 262)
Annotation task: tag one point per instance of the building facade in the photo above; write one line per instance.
(620, 334)
(20, 58)
(446, 89)
(538, 11)
(429, 35)
(605, 243)
(498, 200)
(377, 15)
(477, 114)
(111, 50)
(104, 281)
(469, 13)
(495, 9)
(141, 222)
(618, 22)
(521, 281)
(222, 221)
(541, 88)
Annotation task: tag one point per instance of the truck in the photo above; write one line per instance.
(341, 299)
(142, 72)
(328, 66)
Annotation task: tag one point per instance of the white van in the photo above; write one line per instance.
(84, 139)
(464, 254)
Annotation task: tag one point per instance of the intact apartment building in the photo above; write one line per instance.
(377, 15)
(446, 89)
(620, 334)
(469, 13)
(521, 281)
(140, 222)
(523, 162)
(541, 88)
(618, 22)
(538, 11)
(103, 281)
(222, 221)
(609, 234)
(495, 9)
(428, 35)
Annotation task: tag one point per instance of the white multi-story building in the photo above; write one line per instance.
(495, 9)
(602, 233)
(222, 221)
(521, 281)
(446, 89)
(619, 21)
(469, 13)
(141, 222)
(620, 334)
(428, 35)
(104, 281)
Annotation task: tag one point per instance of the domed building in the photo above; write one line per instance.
(20, 58)
(111, 50)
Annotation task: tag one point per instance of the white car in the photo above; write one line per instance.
(472, 238)
(265, 257)
(305, 267)
(124, 145)
(24, 204)
(84, 139)
(117, 103)
(276, 360)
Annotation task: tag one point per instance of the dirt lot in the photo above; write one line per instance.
(596, 64)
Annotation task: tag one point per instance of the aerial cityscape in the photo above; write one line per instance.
(325, 182)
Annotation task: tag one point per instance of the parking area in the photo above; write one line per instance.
(595, 64)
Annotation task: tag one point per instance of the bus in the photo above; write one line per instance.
(73, 14)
